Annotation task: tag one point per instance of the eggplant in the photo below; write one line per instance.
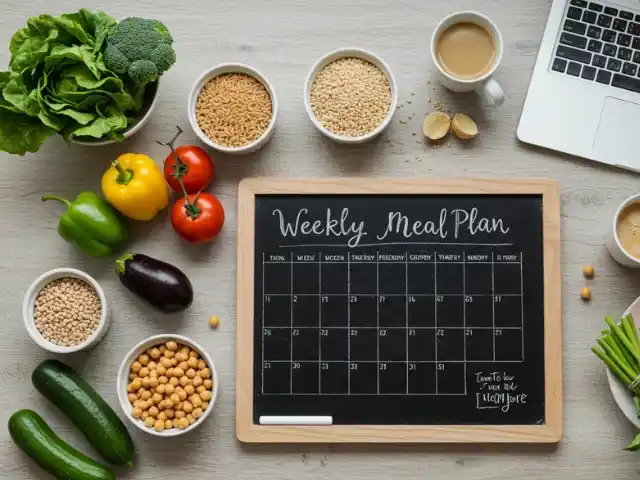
(159, 283)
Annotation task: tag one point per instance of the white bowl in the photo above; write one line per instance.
(621, 393)
(28, 309)
(221, 69)
(351, 53)
(123, 381)
(131, 131)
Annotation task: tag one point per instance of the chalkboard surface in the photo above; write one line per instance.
(399, 309)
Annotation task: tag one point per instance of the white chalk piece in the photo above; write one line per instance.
(295, 420)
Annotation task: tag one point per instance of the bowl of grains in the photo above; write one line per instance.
(350, 95)
(233, 108)
(167, 385)
(65, 311)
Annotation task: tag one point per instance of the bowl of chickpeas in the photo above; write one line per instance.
(167, 385)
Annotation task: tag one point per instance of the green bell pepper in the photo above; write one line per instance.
(91, 224)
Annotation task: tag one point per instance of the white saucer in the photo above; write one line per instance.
(620, 392)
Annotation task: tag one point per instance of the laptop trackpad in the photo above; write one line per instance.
(618, 131)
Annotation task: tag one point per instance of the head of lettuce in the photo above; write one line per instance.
(78, 75)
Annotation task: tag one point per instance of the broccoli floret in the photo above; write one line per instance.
(141, 48)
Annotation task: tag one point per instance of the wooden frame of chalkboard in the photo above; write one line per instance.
(548, 430)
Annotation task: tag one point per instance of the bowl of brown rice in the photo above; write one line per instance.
(233, 108)
(65, 311)
(350, 95)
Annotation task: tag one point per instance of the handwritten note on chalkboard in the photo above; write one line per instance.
(400, 309)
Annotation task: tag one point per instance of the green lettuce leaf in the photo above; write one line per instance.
(100, 127)
(82, 54)
(20, 133)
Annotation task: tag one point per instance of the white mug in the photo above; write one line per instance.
(614, 246)
(485, 86)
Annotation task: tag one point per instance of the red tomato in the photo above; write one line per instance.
(196, 169)
(200, 219)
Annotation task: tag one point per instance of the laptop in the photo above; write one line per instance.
(584, 96)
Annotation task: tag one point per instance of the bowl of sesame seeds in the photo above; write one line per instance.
(350, 95)
(232, 108)
(65, 311)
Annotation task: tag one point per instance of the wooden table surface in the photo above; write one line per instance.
(283, 38)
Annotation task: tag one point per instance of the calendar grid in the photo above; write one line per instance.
(418, 324)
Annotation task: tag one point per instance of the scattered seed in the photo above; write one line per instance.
(588, 271)
(585, 294)
(214, 321)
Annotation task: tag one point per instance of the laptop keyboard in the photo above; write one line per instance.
(600, 44)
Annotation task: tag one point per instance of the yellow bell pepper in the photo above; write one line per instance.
(135, 186)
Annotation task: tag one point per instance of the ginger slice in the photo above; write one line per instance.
(436, 125)
(463, 126)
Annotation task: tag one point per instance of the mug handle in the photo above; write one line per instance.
(491, 93)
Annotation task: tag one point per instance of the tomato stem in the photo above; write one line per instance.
(180, 168)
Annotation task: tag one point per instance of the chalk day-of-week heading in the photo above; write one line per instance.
(449, 224)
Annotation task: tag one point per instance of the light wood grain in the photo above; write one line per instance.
(283, 38)
(549, 432)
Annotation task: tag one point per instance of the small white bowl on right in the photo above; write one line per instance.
(352, 52)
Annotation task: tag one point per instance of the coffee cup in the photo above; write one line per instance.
(623, 238)
(466, 48)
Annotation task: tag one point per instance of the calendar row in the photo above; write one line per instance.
(382, 310)
(391, 278)
(359, 378)
(393, 344)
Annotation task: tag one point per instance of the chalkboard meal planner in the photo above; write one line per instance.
(409, 305)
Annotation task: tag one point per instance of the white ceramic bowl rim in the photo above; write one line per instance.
(223, 69)
(347, 52)
(29, 301)
(628, 201)
(123, 378)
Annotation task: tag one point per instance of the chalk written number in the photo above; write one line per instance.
(439, 299)
(324, 299)
(324, 332)
(498, 332)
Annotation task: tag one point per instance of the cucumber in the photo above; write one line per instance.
(68, 391)
(35, 438)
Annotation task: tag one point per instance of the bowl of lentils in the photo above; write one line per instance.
(350, 95)
(232, 108)
(65, 311)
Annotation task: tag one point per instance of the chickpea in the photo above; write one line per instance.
(174, 381)
(152, 365)
(153, 411)
(172, 345)
(132, 397)
(145, 382)
(162, 348)
(180, 414)
(133, 376)
(190, 419)
(184, 381)
(205, 373)
(170, 412)
(143, 359)
(174, 361)
(197, 381)
(189, 389)
(166, 362)
(161, 406)
(184, 365)
(130, 388)
(158, 426)
(179, 406)
(190, 373)
(168, 424)
(169, 354)
(146, 395)
(168, 403)
(187, 407)
(193, 354)
(160, 389)
(181, 357)
(183, 423)
(185, 350)
(145, 415)
(208, 383)
(154, 353)
(153, 374)
(205, 405)
(197, 412)
(149, 421)
(137, 384)
(153, 382)
(182, 395)
(205, 396)
(157, 397)
(162, 416)
(136, 367)
(196, 401)
(163, 379)
(144, 372)
(201, 364)
(178, 372)
(168, 388)
(136, 403)
(162, 370)
(201, 388)
(136, 412)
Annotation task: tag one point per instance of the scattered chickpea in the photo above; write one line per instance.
(214, 321)
(585, 294)
(159, 426)
(149, 421)
(588, 271)
(143, 359)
